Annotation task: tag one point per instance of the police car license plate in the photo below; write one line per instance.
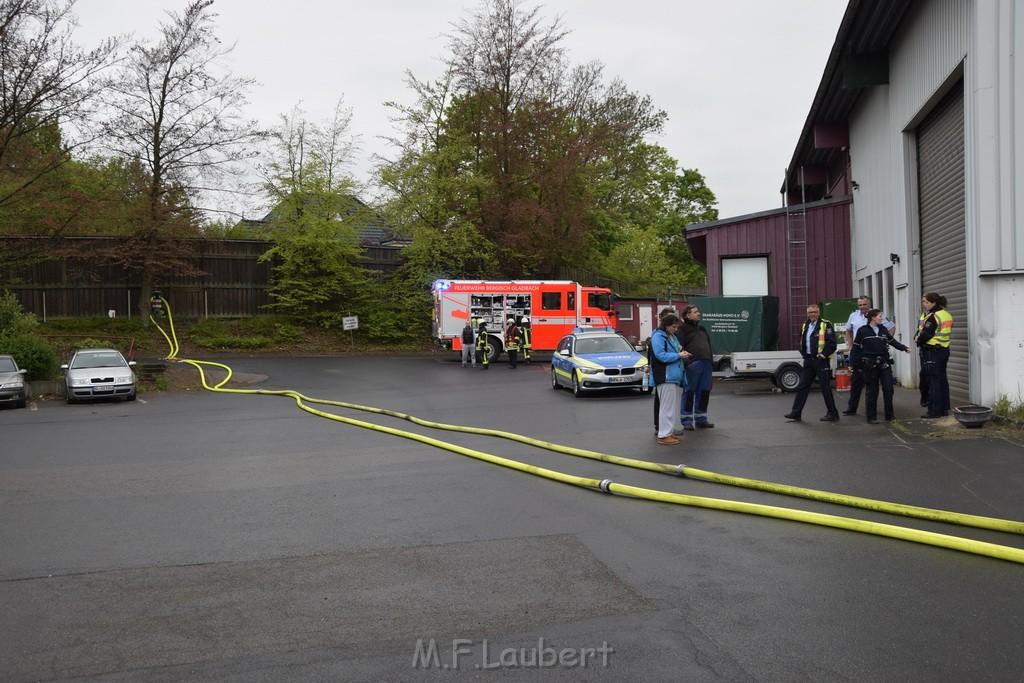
(619, 380)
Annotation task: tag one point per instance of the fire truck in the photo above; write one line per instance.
(553, 307)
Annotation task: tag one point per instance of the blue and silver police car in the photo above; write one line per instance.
(595, 358)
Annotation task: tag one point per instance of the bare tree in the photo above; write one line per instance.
(178, 111)
(48, 88)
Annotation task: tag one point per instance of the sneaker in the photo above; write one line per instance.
(705, 425)
(792, 416)
(849, 412)
(829, 418)
(678, 431)
(668, 440)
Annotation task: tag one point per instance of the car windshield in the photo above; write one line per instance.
(98, 359)
(7, 365)
(609, 344)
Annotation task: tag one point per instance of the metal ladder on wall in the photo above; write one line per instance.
(796, 258)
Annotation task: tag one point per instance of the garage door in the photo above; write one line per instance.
(940, 154)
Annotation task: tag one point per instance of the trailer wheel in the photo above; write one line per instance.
(787, 377)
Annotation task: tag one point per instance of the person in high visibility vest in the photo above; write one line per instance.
(512, 342)
(526, 334)
(483, 345)
(933, 339)
(817, 344)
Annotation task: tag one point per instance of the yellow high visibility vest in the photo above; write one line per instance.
(943, 329)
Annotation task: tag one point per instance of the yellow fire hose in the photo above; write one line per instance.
(904, 533)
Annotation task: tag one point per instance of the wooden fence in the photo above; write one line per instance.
(229, 280)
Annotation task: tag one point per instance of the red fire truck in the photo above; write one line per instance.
(554, 308)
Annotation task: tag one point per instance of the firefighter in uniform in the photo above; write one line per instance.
(512, 339)
(933, 340)
(527, 338)
(483, 345)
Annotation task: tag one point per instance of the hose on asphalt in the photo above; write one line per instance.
(892, 531)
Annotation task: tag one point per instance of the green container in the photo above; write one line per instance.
(838, 311)
(740, 323)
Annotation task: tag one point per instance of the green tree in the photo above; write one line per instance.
(315, 220)
(47, 82)
(515, 164)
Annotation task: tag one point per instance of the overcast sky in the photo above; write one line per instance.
(736, 77)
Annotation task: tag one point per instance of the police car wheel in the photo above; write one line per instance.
(554, 381)
(577, 390)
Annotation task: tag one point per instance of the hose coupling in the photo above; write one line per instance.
(606, 485)
(680, 472)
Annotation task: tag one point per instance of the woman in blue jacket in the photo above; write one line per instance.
(666, 360)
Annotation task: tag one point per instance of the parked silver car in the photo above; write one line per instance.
(99, 373)
(12, 383)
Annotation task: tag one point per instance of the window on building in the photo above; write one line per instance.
(625, 311)
(746, 276)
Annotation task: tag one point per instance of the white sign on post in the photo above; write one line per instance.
(350, 322)
(111, 313)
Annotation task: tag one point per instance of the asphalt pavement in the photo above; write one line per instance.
(205, 536)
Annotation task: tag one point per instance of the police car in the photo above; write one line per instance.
(595, 358)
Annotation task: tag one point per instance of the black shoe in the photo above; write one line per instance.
(872, 422)
(829, 418)
(792, 416)
(849, 412)
(705, 425)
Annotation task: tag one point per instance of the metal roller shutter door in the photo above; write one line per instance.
(940, 154)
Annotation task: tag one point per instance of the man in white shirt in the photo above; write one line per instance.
(857, 320)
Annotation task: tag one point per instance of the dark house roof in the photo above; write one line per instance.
(373, 229)
(859, 59)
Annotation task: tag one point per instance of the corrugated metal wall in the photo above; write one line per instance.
(940, 144)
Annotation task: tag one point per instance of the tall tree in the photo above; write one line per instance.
(530, 158)
(46, 82)
(178, 113)
(315, 218)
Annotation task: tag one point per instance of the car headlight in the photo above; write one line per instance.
(12, 385)
(79, 381)
(123, 379)
(589, 371)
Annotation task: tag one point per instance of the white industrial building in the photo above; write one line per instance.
(920, 117)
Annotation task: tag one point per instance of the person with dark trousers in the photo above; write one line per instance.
(933, 340)
(857, 320)
(694, 338)
(526, 334)
(483, 345)
(817, 345)
(872, 343)
(512, 342)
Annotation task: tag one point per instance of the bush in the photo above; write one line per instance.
(31, 353)
(14, 322)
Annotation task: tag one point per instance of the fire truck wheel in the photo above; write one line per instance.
(554, 381)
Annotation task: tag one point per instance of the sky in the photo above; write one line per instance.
(735, 77)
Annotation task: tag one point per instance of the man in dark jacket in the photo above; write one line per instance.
(817, 345)
(694, 338)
